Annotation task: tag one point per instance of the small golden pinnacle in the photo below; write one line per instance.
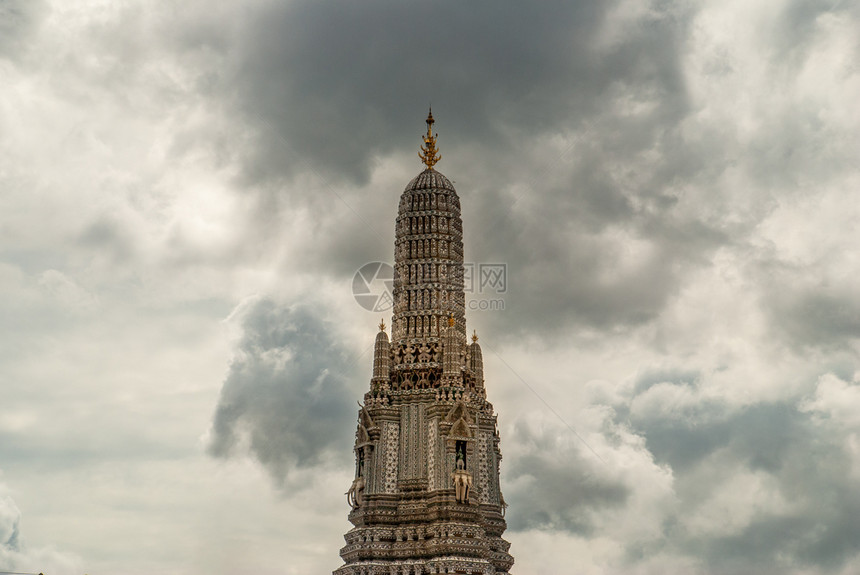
(429, 154)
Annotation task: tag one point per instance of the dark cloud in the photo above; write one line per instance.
(19, 19)
(795, 27)
(10, 519)
(766, 487)
(809, 307)
(286, 393)
(554, 488)
(328, 87)
(617, 156)
(707, 443)
(602, 228)
(810, 317)
(760, 435)
(16, 556)
(589, 228)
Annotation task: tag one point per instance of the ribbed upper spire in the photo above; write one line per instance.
(428, 261)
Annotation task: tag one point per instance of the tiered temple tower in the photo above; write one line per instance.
(426, 496)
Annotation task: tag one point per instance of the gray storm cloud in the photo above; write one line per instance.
(285, 399)
(10, 517)
(586, 158)
(669, 184)
(15, 555)
(513, 75)
(587, 150)
(591, 159)
(767, 487)
(555, 485)
(18, 21)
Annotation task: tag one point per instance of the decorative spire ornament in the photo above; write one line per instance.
(429, 154)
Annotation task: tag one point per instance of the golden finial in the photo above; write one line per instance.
(382, 325)
(429, 154)
(474, 336)
(451, 321)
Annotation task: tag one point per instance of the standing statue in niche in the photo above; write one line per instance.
(462, 482)
(461, 454)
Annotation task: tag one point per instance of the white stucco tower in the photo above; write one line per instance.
(426, 495)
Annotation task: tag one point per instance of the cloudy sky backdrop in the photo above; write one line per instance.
(188, 187)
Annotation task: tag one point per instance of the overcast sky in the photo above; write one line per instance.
(187, 189)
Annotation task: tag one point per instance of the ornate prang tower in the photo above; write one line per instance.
(426, 495)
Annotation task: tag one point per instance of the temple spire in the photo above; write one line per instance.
(429, 154)
(476, 362)
(426, 495)
(381, 358)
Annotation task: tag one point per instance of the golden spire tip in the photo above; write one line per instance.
(429, 154)
(474, 336)
(382, 325)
